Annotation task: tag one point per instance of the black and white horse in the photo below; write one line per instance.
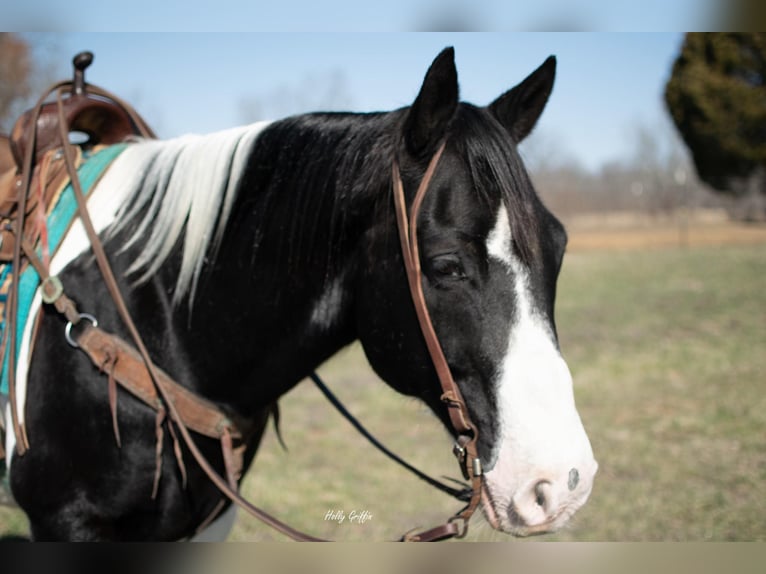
(250, 256)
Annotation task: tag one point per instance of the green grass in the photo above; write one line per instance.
(667, 353)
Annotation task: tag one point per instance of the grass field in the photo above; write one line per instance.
(667, 349)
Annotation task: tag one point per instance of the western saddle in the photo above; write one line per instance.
(93, 118)
(103, 120)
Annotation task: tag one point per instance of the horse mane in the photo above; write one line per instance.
(184, 184)
(328, 168)
(185, 189)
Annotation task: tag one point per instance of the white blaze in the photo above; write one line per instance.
(542, 437)
(499, 239)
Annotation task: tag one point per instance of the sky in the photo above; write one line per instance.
(365, 15)
(607, 84)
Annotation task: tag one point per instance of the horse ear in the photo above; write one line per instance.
(434, 107)
(519, 108)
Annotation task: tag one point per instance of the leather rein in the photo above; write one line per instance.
(131, 366)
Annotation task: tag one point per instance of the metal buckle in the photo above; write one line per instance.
(477, 470)
(51, 289)
(460, 453)
(68, 328)
(462, 528)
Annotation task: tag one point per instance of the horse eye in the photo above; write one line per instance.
(448, 266)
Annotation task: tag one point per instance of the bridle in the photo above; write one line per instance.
(166, 391)
(465, 448)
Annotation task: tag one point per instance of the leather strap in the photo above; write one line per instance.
(120, 360)
(467, 434)
(463, 494)
(436, 534)
(19, 430)
(122, 364)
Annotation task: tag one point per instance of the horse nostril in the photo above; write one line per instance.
(574, 479)
(540, 497)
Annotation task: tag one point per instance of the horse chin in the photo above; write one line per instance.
(488, 507)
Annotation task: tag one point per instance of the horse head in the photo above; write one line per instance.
(491, 255)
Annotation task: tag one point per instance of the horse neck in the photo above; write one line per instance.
(279, 295)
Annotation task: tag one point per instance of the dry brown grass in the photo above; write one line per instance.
(630, 231)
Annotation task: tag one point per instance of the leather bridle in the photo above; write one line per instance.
(166, 391)
(467, 435)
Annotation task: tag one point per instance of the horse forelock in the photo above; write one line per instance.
(495, 168)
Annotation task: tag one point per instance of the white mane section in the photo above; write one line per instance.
(187, 184)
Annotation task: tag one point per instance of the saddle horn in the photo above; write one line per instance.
(80, 62)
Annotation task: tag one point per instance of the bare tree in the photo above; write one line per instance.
(662, 168)
(545, 151)
(656, 178)
(27, 67)
(15, 76)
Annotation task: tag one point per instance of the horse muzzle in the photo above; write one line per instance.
(540, 505)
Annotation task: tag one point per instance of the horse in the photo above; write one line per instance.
(248, 257)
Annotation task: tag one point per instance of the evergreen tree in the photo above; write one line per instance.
(717, 98)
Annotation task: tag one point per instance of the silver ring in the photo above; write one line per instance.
(68, 328)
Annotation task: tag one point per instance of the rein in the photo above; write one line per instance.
(132, 365)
